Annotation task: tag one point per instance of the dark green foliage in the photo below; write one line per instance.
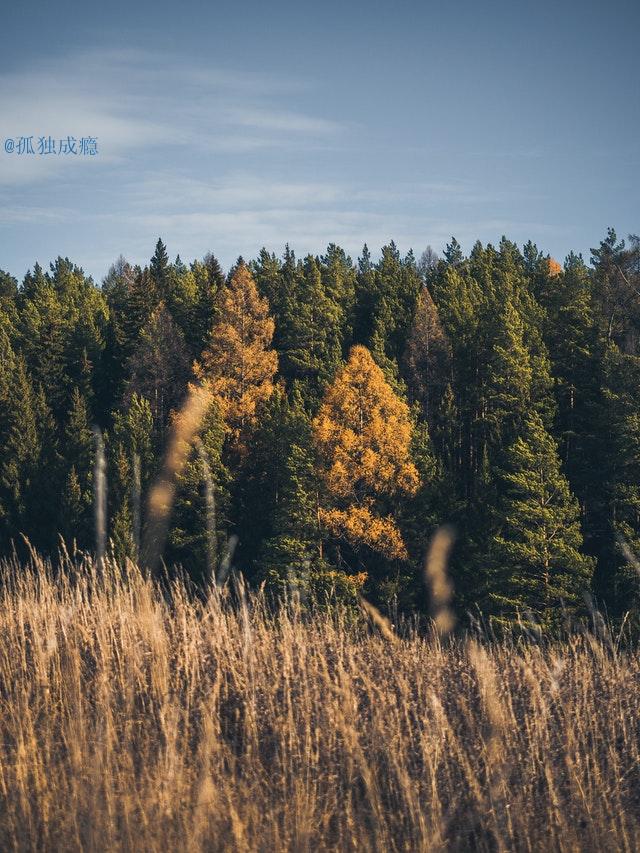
(132, 465)
(536, 566)
(200, 523)
(22, 451)
(159, 269)
(78, 459)
(209, 278)
(277, 501)
(159, 368)
(523, 378)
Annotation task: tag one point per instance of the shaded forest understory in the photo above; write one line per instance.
(353, 408)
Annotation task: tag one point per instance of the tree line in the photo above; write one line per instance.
(355, 407)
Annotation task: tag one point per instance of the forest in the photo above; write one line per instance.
(352, 409)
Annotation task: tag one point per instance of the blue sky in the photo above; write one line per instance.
(228, 126)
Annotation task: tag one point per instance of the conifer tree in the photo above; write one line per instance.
(209, 280)
(427, 357)
(362, 434)
(199, 522)
(397, 288)
(77, 447)
(132, 465)
(238, 363)
(8, 298)
(617, 290)
(453, 254)
(117, 286)
(536, 561)
(510, 377)
(142, 299)
(311, 332)
(277, 501)
(339, 280)
(21, 443)
(291, 558)
(267, 271)
(42, 332)
(159, 368)
(159, 269)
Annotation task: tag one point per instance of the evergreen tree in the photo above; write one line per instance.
(159, 269)
(21, 443)
(617, 290)
(276, 503)
(427, 357)
(132, 465)
(509, 379)
(536, 562)
(312, 330)
(209, 280)
(78, 453)
(199, 522)
(159, 368)
(453, 254)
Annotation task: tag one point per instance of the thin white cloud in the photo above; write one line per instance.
(134, 101)
(34, 214)
(212, 159)
(280, 121)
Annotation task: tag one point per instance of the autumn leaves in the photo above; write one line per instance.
(361, 432)
(238, 364)
(362, 435)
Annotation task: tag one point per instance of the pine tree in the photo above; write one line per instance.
(199, 522)
(267, 271)
(182, 296)
(8, 288)
(339, 281)
(453, 253)
(290, 558)
(397, 289)
(427, 357)
(78, 460)
(311, 330)
(209, 280)
(21, 443)
(42, 332)
(8, 299)
(270, 504)
(159, 368)
(536, 562)
(625, 578)
(576, 351)
(132, 465)
(159, 269)
(613, 515)
(510, 377)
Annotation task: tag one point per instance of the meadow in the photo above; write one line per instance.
(137, 716)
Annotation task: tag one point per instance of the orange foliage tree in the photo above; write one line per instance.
(554, 267)
(362, 435)
(238, 364)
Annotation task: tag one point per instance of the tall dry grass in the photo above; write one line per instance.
(132, 718)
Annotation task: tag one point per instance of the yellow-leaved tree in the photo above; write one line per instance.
(362, 435)
(238, 364)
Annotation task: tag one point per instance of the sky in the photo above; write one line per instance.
(228, 126)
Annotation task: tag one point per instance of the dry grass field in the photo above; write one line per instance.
(138, 719)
